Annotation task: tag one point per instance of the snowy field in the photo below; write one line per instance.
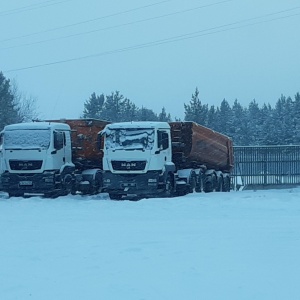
(238, 245)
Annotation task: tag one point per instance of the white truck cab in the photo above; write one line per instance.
(36, 158)
(136, 148)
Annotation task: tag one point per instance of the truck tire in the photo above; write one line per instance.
(192, 183)
(68, 184)
(220, 184)
(199, 183)
(226, 184)
(210, 183)
(95, 187)
(169, 190)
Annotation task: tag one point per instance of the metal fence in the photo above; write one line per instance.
(266, 166)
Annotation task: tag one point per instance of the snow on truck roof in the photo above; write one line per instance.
(37, 126)
(157, 125)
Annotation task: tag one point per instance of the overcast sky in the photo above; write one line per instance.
(154, 52)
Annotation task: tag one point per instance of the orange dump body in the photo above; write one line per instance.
(195, 145)
(84, 138)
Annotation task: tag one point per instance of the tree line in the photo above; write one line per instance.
(252, 125)
(247, 126)
(116, 108)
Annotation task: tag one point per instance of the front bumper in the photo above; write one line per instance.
(146, 184)
(39, 183)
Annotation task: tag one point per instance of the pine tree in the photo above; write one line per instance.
(163, 116)
(284, 120)
(112, 109)
(254, 123)
(93, 107)
(128, 111)
(9, 112)
(225, 118)
(239, 125)
(212, 118)
(296, 119)
(195, 111)
(268, 128)
(288, 126)
(145, 114)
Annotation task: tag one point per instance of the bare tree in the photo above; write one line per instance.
(27, 110)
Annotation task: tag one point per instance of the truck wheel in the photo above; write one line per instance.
(169, 191)
(95, 187)
(220, 184)
(199, 183)
(67, 184)
(192, 183)
(210, 183)
(226, 184)
(95, 184)
(73, 190)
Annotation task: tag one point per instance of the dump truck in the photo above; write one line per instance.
(149, 159)
(53, 157)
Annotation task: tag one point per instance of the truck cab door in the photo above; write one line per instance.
(163, 145)
(59, 149)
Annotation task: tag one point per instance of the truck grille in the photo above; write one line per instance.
(25, 164)
(128, 165)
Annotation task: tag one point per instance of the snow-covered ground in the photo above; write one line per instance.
(237, 245)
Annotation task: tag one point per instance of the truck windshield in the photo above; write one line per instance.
(27, 139)
(129, 139)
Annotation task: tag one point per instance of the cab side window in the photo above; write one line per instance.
(163, 139)
(58, 140)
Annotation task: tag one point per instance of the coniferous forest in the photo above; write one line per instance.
(247, 126)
